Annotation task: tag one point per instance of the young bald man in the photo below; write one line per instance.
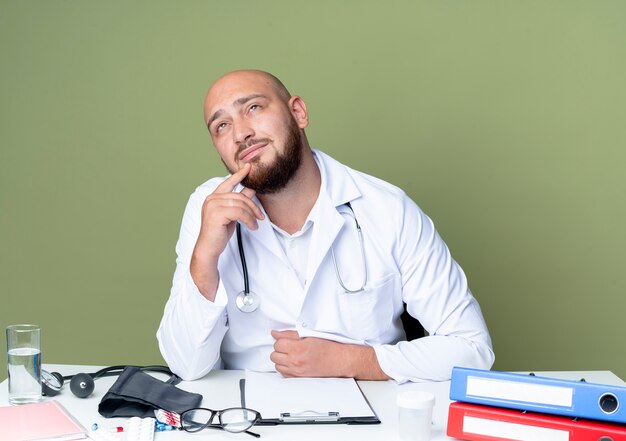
(332, 256)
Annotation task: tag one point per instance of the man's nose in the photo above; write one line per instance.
(242, 131)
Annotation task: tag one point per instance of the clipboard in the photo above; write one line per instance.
(282, 400)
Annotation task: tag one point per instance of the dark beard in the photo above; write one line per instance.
(271, 178)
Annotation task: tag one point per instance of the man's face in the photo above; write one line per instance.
(271, 177)
(250, 121)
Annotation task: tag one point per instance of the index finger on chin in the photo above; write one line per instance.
(235, 179)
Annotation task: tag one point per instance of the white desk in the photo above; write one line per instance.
(220, 390)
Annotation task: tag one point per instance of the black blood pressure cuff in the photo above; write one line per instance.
(136, 393)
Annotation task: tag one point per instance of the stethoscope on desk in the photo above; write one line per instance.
(248, 301)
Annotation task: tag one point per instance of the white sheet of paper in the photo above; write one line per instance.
(271, 394)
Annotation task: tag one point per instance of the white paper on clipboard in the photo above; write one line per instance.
(273, 395)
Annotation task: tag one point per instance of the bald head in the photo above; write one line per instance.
(271, 80)
(241, 81)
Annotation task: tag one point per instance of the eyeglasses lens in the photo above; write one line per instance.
(238, 420)
(195, 420)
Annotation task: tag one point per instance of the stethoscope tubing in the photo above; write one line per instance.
(332, 251)
(248, 302)
(242, 256)
(111, 371)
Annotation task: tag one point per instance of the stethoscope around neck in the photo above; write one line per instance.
(248, 301)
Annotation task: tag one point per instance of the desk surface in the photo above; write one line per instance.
(220, 389)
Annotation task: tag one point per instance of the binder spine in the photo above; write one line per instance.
(475, 422)
(539, 394)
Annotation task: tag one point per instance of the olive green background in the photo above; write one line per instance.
(505, 121)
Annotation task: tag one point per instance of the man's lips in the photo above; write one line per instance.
(252, 151)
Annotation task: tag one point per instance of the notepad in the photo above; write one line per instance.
(43, 421)
(306, 400)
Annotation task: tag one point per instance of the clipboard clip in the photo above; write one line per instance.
(309, 416)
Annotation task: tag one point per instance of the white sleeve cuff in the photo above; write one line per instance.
(431, 358)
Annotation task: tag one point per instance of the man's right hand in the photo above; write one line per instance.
(220, 212)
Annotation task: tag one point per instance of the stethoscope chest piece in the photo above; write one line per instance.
(247, 301)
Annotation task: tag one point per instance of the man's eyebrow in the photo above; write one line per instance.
(214, 117)
(245, 99)
(238, 103)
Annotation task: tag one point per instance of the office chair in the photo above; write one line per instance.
(412, 327)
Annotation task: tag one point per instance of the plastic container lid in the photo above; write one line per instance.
(415, 399)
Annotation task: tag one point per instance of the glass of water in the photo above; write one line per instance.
(24, 363)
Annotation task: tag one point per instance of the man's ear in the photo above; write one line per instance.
(297, 107)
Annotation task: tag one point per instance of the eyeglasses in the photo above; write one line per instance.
(234, 420)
